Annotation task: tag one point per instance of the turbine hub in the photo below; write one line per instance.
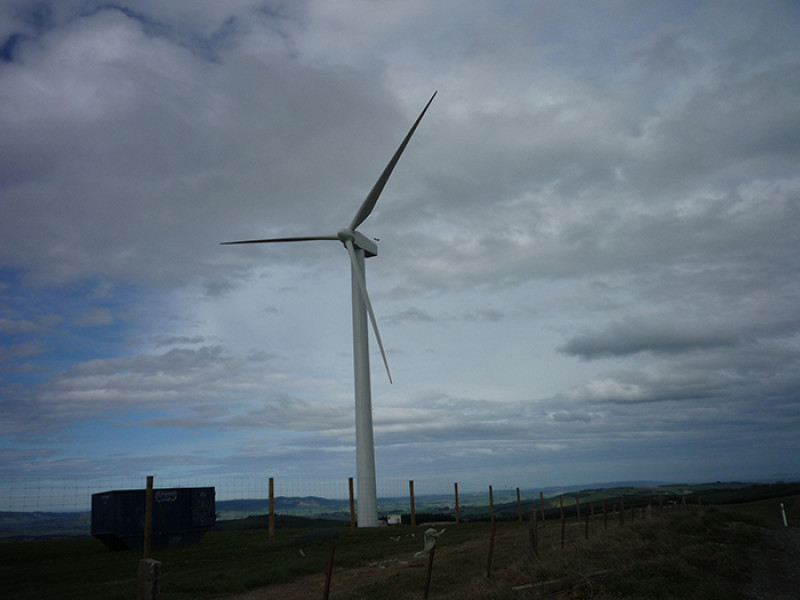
(359, 240)
(346, 234)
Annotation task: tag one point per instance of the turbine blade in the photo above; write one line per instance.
(310, 238)
(369, 202)
(360, 277)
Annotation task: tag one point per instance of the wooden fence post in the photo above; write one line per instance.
(352, 505)
(578, 508)
(149, 574)
(328, 574)
(149, 581)
(519, 506)
(491, 504)
(586, 531)
(411, 495)
(533, 536)
(541, 504)
(148, 515)
(428, 574)
(491, 550)
(458, 516)
(271, 507)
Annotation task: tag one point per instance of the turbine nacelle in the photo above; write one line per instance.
(359, 240)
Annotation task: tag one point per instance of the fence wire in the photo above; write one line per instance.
(74, 495)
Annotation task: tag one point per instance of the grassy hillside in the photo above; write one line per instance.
(679, 552)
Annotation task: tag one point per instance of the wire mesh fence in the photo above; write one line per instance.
(53, 506)
(74, 494)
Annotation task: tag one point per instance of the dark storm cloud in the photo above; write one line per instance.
(633, 336)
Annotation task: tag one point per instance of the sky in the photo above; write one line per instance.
(588, 255)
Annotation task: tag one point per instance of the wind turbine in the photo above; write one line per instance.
(360, 247)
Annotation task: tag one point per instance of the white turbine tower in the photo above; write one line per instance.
(360, 247)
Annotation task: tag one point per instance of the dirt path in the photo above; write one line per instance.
(346, 580)
(776, 566)
(312, 586)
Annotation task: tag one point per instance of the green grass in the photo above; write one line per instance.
(767, 512)
(681, 553)
(225, 562)
(70, 568)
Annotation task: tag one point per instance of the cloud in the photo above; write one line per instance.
(633, 336)
(111, 113)
(38, 324)
(135, 384)
(569, 416)
(17, 351)
(412, 314)
(94, 318)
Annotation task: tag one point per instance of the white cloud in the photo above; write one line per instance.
(95, 318)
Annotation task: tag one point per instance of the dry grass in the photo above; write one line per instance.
(691, 555)
(687, 555)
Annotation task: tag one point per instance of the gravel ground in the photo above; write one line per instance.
(776, 566)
